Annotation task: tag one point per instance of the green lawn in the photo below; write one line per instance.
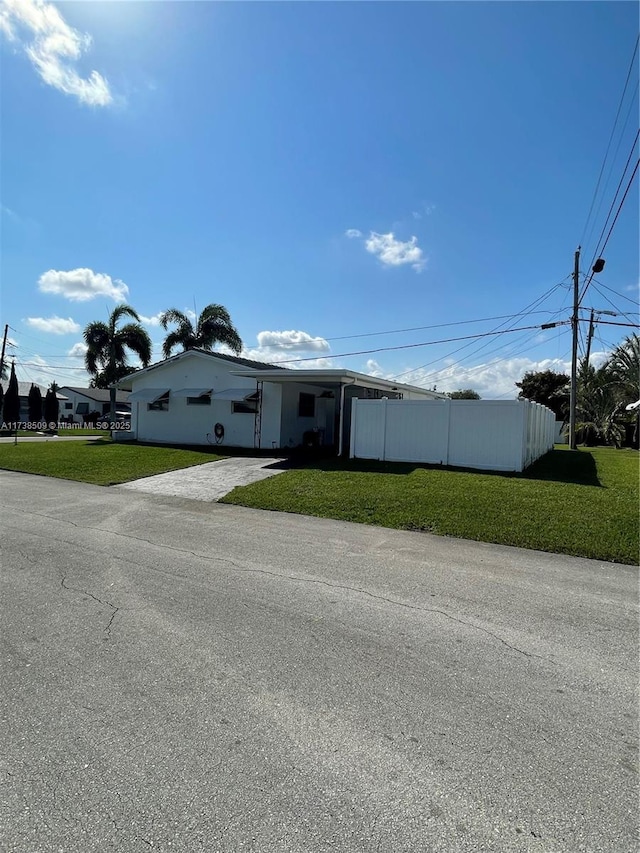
(581, 502)
(103, 462)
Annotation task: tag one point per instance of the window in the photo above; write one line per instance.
(68, 406)
(244, 407)
(82, 409)
(159, 405)
(202, 400)
(306, 405)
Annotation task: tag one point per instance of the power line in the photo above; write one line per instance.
(622, 201)
(626, 83)
(613, 161)
(615, 292)
(526, 311)
(433, 376)
(598, 251)
(409, 346)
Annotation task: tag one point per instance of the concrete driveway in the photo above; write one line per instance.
(211, 481)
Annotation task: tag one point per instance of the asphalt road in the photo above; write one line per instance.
(183, 676)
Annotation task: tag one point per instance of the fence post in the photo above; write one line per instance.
(354, 425)
(384, 430)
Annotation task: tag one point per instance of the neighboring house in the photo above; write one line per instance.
(199, 397)
(82, 401)
(23, 392)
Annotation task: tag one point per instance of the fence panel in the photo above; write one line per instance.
(417, 430)
(494, 435)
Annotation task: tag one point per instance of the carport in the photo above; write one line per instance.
(339, 385)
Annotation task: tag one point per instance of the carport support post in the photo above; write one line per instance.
(574, 352)
(341, 420)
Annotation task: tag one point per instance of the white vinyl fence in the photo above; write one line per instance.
(493, 435)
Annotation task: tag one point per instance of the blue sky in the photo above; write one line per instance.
(325, 171)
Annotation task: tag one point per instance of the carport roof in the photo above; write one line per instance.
(336, 378)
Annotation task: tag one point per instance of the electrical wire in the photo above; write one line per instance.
(604, 245)
(598, 251)
(407, 346)
(467, 371)
(626, 83)
(525, 312)
(615, 307)
(613, 161)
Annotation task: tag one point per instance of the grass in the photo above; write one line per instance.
(103, 462)
(582, 502)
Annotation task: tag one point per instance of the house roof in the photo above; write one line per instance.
(275, 373)
(199, 353)
(25, 387)
(100, 395)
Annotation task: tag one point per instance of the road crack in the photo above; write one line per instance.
(101, 601)
(298, 578)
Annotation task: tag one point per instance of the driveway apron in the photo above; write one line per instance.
(211, 481)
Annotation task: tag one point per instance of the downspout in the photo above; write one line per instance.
(341, 418)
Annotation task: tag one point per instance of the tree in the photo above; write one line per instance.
(1, 399)
(107, 345)
(546, 387)
(35, 403)
(624, 369)
(11, 402)
(603, 394)
(464, 394)
(597, 406)
(212, 326)
(51, 407)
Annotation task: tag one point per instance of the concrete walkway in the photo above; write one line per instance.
(211, 481)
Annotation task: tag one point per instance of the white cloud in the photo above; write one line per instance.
(151, 321)
(395, 253)
(280, 347)
(282, 357)
(53, 48)
(82, 284)
(352, 233)
(292, 340)
(53, 325)
(492, 379)
(77, 350)
(373, 368)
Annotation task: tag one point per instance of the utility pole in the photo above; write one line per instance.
(4, 344)
(589, 337)
(574, 351)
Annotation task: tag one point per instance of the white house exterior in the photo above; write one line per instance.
(254, 405)
(80, 402)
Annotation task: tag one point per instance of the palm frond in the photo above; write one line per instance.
(213, 332)
(173, 339)
(121, 311)
(134, 337)
(174, 316)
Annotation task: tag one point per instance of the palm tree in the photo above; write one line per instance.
(213, 326)
(598, 406)
(624, 368)
(107, 345)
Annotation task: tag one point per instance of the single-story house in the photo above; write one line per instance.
(200, 397)
(23, 393)
(80, 402)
